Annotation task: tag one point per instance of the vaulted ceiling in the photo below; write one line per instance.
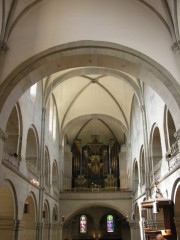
(92, 100)
(93, 104)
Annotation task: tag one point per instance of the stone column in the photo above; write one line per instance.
(135, 231)
(146, 151)
(54, 232)
(67, 168)
(18, 228)
(9, 228)
(123, 168)
(41, 179)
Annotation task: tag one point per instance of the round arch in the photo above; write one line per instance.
(89, 53)
(85, 206)
(29, 217)
(8, 186)
(8, 209)
(94, 221)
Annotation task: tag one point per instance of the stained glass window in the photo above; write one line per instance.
(83, 224)
(110, 223)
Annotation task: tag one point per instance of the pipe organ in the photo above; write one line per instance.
(95, 163)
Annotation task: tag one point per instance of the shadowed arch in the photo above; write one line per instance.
(88, 205)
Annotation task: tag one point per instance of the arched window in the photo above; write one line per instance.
(54, 122)
(52, 118)
(110, 223)
(135, 176)
(156, 153)
(55, 214)
(51, 114)
(47, 168)
(14, 132)
(55, 177)
(32, 152)
(142, 167)
(171, 128)
(83, 224)
(33, 91)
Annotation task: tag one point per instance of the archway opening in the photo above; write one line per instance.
(99, 222)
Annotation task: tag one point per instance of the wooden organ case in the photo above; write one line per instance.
(95, 164)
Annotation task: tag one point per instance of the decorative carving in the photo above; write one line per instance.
(110, 181)
(177, 134)
(3, 135)
(172, 152)
(81, 181)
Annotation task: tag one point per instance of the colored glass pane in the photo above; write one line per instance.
(110, 223)
(83, 224)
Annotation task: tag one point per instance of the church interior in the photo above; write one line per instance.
(89, 119)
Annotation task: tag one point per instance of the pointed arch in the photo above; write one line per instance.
(47, 168)
(156, 153)
(55, 177)
(142, 166)
(135, 176)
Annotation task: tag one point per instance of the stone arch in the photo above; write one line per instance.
(169, 131)
(84, 206)
(29, 218)
(117, 57)
(55, 177)
(135, 176)
(32, 152)
(46, 220)
(55, 223)
(8, 210)
(98, 116)
(82, 210)
(155, 153)
(175, 196)
(55, 216)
